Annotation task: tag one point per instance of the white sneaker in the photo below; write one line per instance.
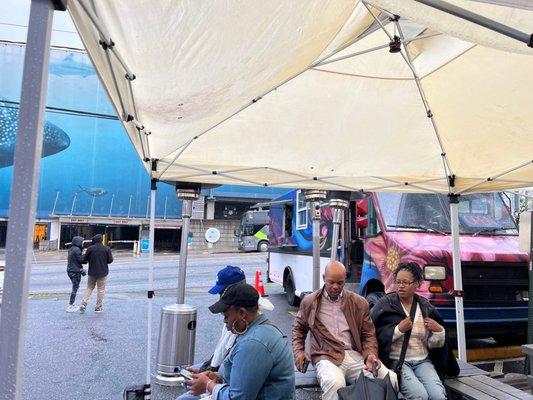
(72, 308)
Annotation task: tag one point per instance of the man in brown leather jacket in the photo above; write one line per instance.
(343, 338)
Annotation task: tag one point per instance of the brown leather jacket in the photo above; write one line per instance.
(324, 346)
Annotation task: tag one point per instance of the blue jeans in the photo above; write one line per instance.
(420, 381)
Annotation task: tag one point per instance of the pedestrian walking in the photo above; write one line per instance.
(99, 257)
(75, 270)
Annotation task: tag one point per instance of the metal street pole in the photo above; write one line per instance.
(23, 200)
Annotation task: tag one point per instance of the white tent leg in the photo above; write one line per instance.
(457, 278)
(150, 281)
(24, 199)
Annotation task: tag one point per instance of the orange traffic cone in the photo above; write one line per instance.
(259, 284)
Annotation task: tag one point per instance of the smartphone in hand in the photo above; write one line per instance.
(305, 366)
(186, 374)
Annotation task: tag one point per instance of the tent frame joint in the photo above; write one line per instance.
(458, 293)
(453, 198)
(451, 179)
(105, 45)
(395, 45)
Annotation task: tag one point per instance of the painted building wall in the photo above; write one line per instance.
(89, 166)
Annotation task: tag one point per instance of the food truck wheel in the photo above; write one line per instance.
(292, 299)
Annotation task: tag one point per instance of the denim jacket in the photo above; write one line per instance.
(260, 366)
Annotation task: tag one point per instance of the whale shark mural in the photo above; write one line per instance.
(55, 139)
(69, 66)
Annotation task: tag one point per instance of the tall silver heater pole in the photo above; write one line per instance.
(23, 201)
(187, 196)
(313, 198)
(457, 278)
(339, 205)
(177, 331)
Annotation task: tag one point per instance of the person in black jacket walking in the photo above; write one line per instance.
(99, 257)
(74, 269)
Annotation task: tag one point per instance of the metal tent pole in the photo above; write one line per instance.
(480, 20)
(150, 293)
(313, 198)
(23, 200)
(457, 278)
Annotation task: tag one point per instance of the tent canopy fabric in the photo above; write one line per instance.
(307, 94)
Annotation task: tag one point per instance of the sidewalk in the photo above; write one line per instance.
(60, 255)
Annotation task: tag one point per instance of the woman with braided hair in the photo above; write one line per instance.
(412, 339)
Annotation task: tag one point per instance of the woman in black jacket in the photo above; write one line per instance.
(427, 357)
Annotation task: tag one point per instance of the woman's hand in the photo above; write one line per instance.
(372, 361)
(214, 376)
(432, 325)
(193, 370)
(405, 325)
(198, 384)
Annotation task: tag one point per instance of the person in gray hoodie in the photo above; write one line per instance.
(74, 269)
(99, 257)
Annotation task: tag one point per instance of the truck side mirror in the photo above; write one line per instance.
(361, 222)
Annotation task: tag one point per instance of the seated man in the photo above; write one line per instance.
(343, 338)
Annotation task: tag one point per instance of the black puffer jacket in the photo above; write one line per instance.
(98, 256)
(75, 258)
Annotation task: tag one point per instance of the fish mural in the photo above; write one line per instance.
(93, 192)
(55, 139)
(69, 66)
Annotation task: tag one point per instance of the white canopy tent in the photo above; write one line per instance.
(204, 95)
(301, 94)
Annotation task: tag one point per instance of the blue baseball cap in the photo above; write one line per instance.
(228, 275)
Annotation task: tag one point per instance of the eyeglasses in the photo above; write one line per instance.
(404, 283)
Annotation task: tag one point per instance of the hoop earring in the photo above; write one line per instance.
(235, 331)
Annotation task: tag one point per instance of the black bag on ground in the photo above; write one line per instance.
(366, 388)
(137, 392)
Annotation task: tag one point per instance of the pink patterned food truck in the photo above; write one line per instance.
(380, 230)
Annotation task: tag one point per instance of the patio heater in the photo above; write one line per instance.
(339, 202)
(177, 331)
(313, 198)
